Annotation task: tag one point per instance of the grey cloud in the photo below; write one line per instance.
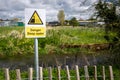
(15, 8)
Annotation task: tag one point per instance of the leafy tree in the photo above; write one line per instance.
(61, 17)
(107, 12)
(67, 22)
(74, 22)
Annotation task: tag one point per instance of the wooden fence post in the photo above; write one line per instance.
(41, 73)
(86, 72)
(111, 73)
(68, 73)
(30, 74)
(50, 73)
(95, 72)
(59, 75)
(18, 74)
(103, 72)
(7, 76)
(77, 72)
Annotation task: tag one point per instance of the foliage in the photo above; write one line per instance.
(61, 17)
(112, 20)
(74, 22)
(107, 12)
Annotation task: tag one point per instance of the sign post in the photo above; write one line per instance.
(35, 27)
(36, 58)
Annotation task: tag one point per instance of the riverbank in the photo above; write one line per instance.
(13, 41)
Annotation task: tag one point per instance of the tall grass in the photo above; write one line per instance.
(13, 41)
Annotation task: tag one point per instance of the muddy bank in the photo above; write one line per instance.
(94, 47)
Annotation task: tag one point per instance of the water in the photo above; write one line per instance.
(53, 60)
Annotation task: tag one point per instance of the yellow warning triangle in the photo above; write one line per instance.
(35, 19)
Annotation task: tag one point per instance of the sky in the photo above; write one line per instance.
(81, 9)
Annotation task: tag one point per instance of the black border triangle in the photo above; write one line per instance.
(38, 17)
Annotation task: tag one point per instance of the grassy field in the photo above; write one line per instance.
(79, 35)
(13, 41)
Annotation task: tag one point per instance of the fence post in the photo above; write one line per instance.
(68, 72)
(77, 72)
(41, 73)
(103, 72)
(86, 72)
(59, 75)
(7, 76)
(18, 75)
(111, 73)
(95, 72)
(50, 73)
(30, 74)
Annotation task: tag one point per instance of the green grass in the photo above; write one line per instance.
(13, 41)
(79, 35)
(6, 30)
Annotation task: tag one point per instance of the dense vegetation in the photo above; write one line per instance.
(108, 12)
(13, 42)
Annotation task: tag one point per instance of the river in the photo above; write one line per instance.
(53, 60)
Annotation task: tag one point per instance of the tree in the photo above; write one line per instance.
(16, 19)
(74, 22)
(107, 12)
(61, 17)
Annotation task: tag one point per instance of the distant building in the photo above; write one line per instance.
(5, 22)
(87, 23)
(20, 24)
(54, 23)
(10, 23)
(100, 23)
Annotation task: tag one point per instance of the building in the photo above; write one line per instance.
(20, 24)
(10, 23)
(54, 23)
(87, 23)
(5, 22)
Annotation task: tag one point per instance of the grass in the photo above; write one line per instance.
(13, 41)
(80, 35)
(6, 30)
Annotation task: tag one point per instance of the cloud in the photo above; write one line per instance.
(72, 8)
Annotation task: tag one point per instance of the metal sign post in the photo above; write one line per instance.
(36, 58)
(35, 27)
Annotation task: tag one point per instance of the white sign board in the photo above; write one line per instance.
(35, 23)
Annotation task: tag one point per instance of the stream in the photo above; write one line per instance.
(53, 60)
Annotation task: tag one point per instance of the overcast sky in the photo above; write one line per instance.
(72, 8)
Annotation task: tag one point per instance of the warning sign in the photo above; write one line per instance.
(35, 31)
(35, 23)
(35, 19)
